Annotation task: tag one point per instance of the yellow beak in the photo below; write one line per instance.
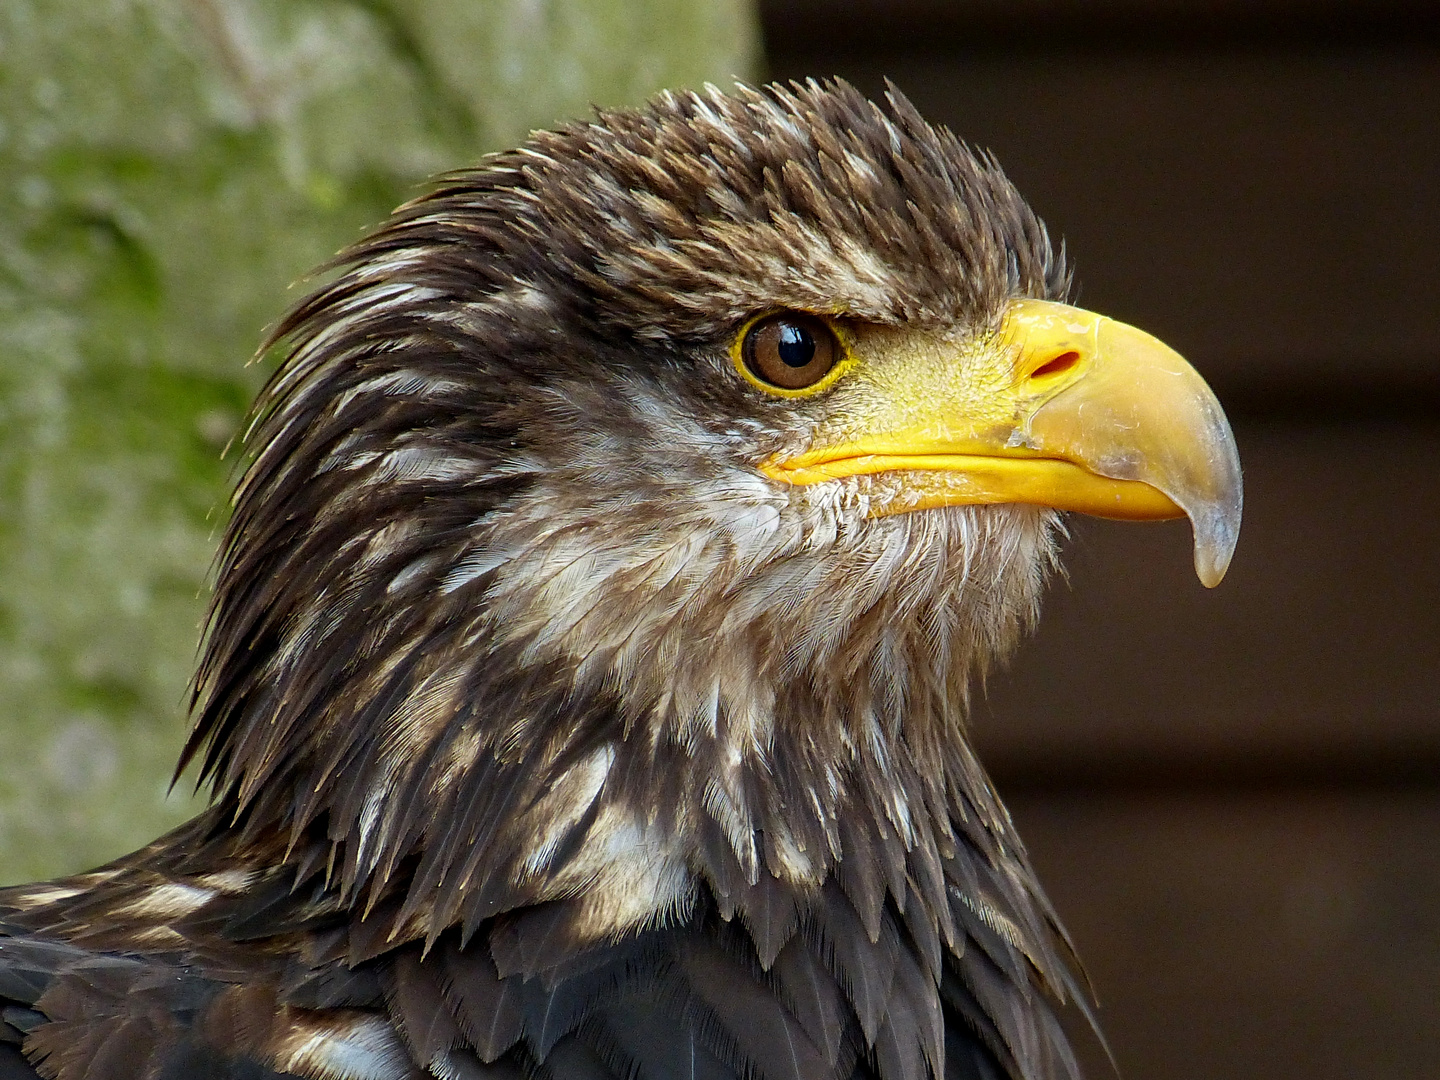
(1061, 408)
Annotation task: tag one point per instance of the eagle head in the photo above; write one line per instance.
(630, 514)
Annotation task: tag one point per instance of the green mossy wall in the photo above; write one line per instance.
(168, 168)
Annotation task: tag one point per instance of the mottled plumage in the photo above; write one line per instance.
(548, 737)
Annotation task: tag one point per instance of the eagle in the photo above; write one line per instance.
(584, 691)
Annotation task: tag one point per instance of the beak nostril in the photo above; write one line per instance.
(1057, 365)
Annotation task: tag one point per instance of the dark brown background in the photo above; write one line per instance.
(1233, 796)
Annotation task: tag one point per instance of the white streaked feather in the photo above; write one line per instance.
(169, 900)
(342, 1045)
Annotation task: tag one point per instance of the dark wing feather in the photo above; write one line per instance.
(967, 1059)
(969, 1026)
(747, 1012)
(28, 967)
(553, 1012)
(16, 1022)
(330, 985)
(487, 1007)
(911, 1041)
(865, 968)
(573, 1059)
(13, 1065)
(543, 941)
(811, 993)
(420, 1010)
(771, 912)
(1030, 1032)
(860, 873)
(85, 1016)
(645, 1038)
(922, 925)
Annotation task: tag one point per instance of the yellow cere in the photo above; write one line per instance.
(927, 385)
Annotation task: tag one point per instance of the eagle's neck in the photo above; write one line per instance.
(635, 711)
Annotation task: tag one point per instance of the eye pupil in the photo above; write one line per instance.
(790, 351)
(795, 345)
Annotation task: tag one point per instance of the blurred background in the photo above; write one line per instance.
(1233, 796)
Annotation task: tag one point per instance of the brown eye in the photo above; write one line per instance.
(790, 351)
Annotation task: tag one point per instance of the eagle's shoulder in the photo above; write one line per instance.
(160, 967)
